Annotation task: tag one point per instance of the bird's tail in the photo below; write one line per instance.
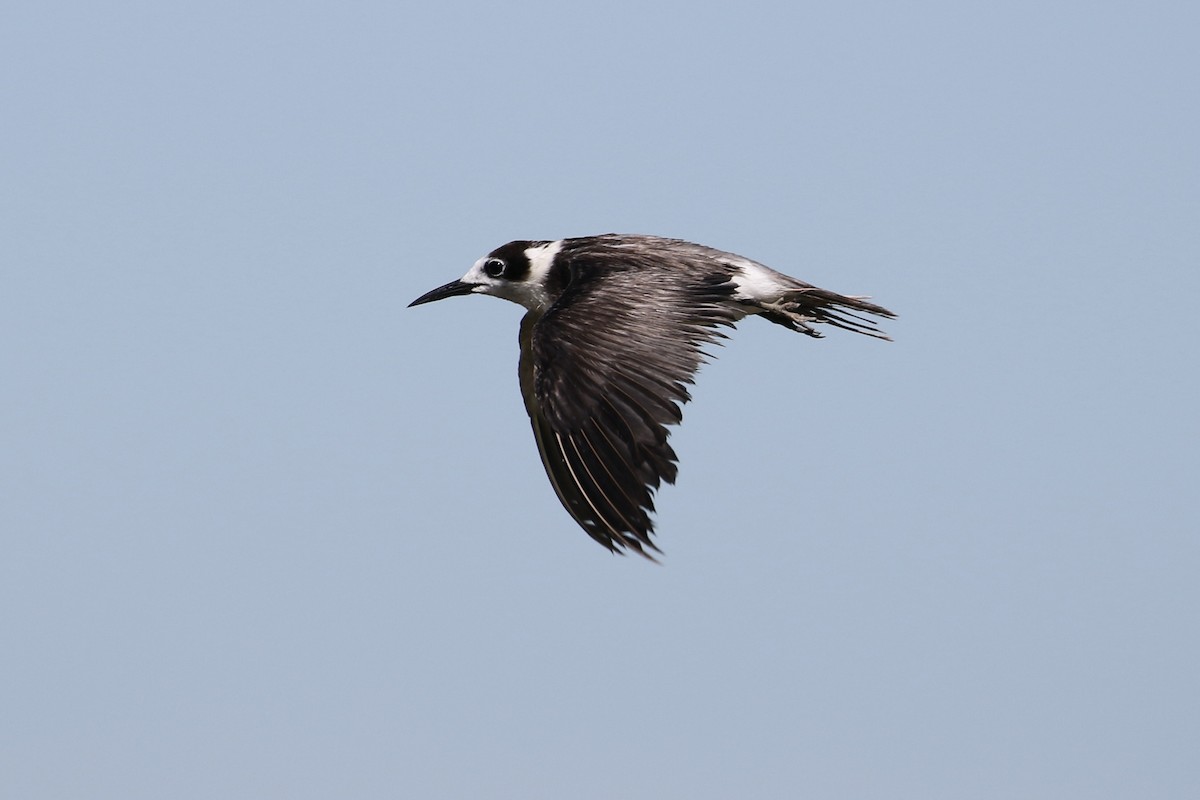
(800, 309)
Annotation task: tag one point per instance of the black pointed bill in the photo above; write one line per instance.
(451, 289)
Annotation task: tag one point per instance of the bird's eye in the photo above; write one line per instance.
(494, 267)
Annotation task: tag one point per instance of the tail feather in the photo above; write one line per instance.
(798, 310)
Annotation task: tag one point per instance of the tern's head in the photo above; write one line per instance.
(519, 271)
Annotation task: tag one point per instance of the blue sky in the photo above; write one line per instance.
(268, 533)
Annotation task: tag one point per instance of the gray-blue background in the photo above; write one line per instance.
(267, 533)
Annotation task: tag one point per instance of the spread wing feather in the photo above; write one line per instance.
(604, 371)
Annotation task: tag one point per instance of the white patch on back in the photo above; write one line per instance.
(753, 281)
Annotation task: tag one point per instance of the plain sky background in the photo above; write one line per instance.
(268, 533)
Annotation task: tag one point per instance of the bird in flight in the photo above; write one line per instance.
(615, 331)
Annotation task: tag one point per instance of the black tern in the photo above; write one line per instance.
(615, 331)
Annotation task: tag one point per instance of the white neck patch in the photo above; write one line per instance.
(541, 257)
(531, 292)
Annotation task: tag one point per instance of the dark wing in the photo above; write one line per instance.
(603, 372)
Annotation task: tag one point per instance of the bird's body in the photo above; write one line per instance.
(615, 329)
